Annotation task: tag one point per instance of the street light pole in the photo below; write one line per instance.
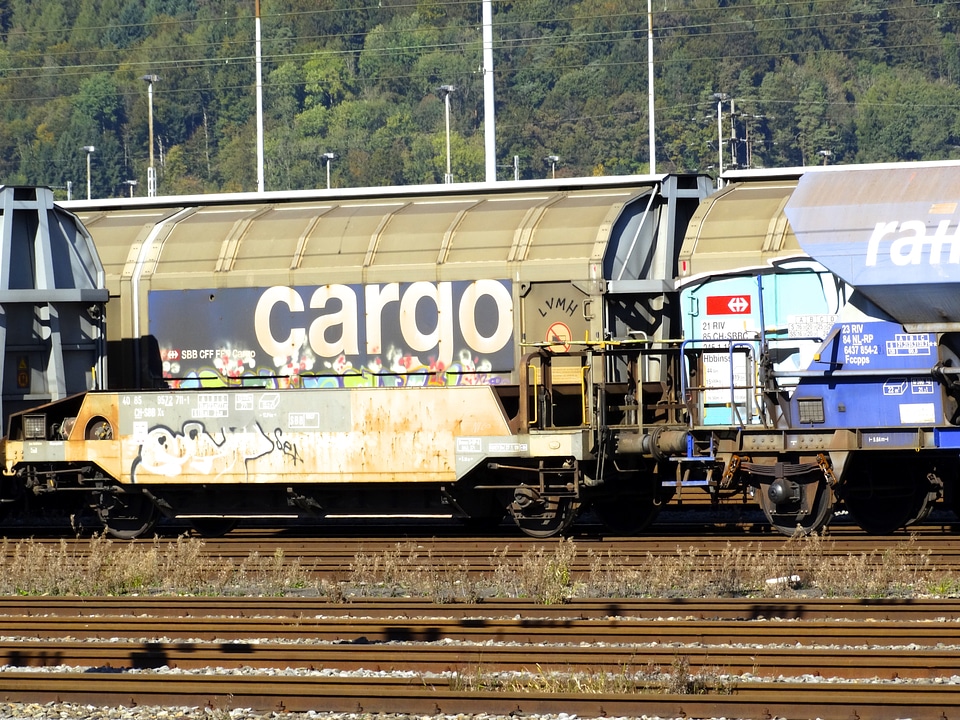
(132, 184)
(328, 157)
(151, 174)
(553, 160)
(90, 150)
(259, 75)
(650, 121)
(445, 92)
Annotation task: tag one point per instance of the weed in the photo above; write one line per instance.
(546, 576)
(110, 567)
(678, 680)
(548, 573)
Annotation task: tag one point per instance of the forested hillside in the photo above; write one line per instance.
(810, 81)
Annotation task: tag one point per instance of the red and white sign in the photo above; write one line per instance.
(728, 305)
(559, 334)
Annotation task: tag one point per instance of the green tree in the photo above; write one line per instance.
(327, 79)
(391, 51)
(906, 117)
(98, 103)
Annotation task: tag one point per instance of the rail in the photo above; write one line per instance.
(730, 657)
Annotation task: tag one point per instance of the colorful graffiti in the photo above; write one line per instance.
(232, 368)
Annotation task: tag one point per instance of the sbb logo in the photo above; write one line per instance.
(173, 354)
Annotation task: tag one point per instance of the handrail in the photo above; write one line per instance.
(716, 346)
(536, 384)
(584, 369)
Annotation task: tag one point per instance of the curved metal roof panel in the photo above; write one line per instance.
(740, 227)
(535, 234)
(893, 233)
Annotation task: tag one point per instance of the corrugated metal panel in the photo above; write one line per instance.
(400, 238)
(739, 227)
(274, 245)
(414, 234)
(475, 242)
(341, 237)
(117, 234)
(570, 226)
(196, 243)
(893, 233)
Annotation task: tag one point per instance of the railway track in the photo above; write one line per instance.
(523, 630)
(839, 609)
(884, 663)
(748, 658)
(427, 696)
(331, 556)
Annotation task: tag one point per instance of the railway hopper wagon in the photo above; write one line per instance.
(820, 320)
(525, 349)
(471, 350)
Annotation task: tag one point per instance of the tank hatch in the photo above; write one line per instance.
(892, 232)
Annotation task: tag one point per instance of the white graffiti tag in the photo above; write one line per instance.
(194, 451)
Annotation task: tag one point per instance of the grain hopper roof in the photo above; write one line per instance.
(539, 233)
(739, 227)
(892, 232)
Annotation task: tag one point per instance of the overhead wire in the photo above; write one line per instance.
(711, 31)
(715, 29)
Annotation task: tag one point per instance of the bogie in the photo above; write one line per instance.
(126, 515)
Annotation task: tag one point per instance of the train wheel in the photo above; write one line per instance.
(547, 517)
(126, 516)
(806, 510)
(883, 496)
(629, 515)
(213, 527)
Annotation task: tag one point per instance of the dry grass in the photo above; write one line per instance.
(674, 680)
(408, 570)
(811, 567)
(111, 567)
(541, 574)
(546, 574)
(550, 573)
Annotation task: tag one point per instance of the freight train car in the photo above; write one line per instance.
(522, 349)
(403, 350)
(819, 304)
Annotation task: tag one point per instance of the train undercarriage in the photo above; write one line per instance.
(620, 449)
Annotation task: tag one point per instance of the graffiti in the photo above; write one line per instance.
(395, 370)
(194, 451)
(289, 449)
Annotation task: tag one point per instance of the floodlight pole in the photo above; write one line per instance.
(720, 98)
(553, 160)
(151, 173)
(328, 157)
(89, 150)
(445, 92)
(259, 73)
